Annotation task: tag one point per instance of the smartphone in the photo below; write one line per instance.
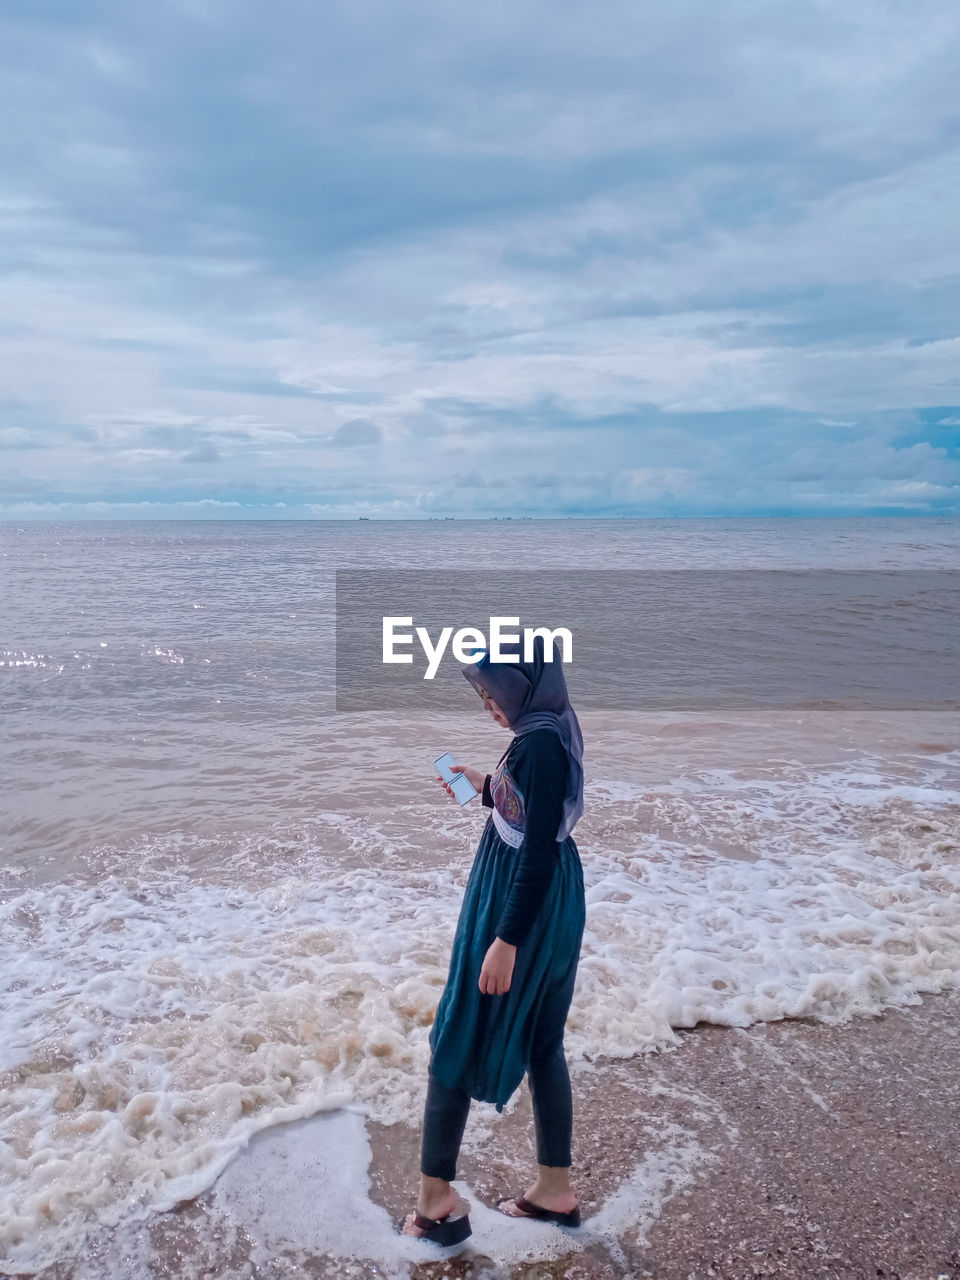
(461, 786)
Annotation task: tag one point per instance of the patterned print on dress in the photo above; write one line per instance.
(507, 798)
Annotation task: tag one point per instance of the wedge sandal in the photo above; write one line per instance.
(442, 1231)
(528, 1209)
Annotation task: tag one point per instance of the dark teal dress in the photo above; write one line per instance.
(527, 888)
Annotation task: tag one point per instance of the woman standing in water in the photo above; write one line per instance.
(515, 952)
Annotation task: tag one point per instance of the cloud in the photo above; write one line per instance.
(680, 260)
(203, 452)
(358, 431)
(18, 438)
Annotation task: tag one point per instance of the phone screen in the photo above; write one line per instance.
(443, 763)
(462, 788)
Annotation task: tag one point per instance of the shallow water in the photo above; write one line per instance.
(223, 905)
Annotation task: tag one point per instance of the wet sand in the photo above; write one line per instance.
(813, 1151)
(789, 1149)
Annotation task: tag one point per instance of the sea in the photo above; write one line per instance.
(226, 905)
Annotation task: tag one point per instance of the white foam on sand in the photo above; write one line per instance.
(154, 1021)
(297, 1197)
(307, 1185)
(304, 1189)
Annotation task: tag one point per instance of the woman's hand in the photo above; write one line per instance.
(497, 968)
(473, 776)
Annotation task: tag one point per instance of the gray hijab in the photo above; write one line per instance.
(533, 695)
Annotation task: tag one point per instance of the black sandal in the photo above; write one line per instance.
(443, 1231)
(531, 1210)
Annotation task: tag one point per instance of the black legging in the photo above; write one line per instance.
(445, 1113)
(445, 1117)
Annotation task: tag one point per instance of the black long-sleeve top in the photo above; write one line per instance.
(537, 762)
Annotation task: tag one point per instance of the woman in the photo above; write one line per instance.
(515, 952)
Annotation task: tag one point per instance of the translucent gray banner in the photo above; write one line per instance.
(668, 639)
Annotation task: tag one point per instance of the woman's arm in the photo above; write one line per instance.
(540, 771)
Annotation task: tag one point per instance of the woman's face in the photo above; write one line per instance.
(491, 706)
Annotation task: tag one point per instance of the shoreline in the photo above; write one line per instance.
(812, 1151)
(792, 1149)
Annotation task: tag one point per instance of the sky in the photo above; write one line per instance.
(320, 260)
